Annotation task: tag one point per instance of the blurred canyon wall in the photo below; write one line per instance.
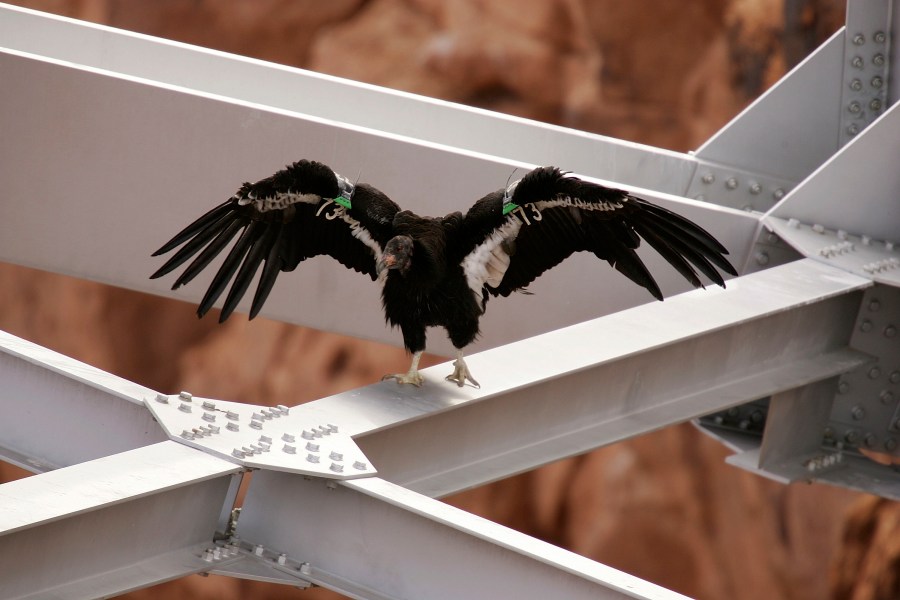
(669, 73)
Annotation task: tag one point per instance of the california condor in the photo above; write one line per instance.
(434, 271)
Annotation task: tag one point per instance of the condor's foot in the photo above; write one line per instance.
(412, 376)
(461, 374)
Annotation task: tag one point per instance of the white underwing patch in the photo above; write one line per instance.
(488, 262)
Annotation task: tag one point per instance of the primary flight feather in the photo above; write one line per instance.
(433, 271)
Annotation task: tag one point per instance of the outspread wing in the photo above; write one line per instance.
(513, 237)
(302, 211)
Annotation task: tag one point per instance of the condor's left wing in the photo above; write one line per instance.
(512, 237)
(303, 210)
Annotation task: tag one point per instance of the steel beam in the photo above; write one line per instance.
(622, 375)
(138, 160)
(110, 525)
(58, 411)
(368, 538)
(340, 100)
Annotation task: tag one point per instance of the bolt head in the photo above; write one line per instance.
(878, 60)
(731, 183)
(233, 427)
(859, 39)
(858, 413)
(874, 372)
(708, 178)
(865, 326)
(879, 37)
(856, 84)
(875, 104)
(778, 194)
(289, 449)
(877, 82)
(185, 396)
(854, 107)
(857, 62)
(890, 331)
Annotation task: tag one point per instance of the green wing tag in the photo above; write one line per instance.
(346, 191)
(509, 207)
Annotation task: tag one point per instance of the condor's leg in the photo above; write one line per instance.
(414, 340)
(462, 333)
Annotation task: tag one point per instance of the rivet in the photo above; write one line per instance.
(778, 194)
(793, 223)
(865, 240)
(877, 82)
(359, 465)
(755, 188)
(851, 436)
(888, 245)
(843, 387)
(209, 405)
(859, 39)
(874, 304)
(336, 455)
(886, 396)
(232, 416)
(857, 62)
(890, 444)
(258, 550)
(865, 326)
(852, 129)
(336, 467)
(312, 458)
(854, 107)
(762, 258)
(878, 60)
(895, 377)
(841, 234)
(890, 331)
(217, 553)
(312, 447)
(256, 424)
(233, 427)
(289, 449)
(875, 104)
(256, 417)
(305, 568)
(700, 197)
(747, 208)
(332, 428)
(187, 435)
(237, 453)
(879, 37)
(284, 409)
(708, 178)
(208, 555)
(282, 559)
(162, 398)
(870, 440)
(818, 228)
(731, 183)
(874, 372)
(185, 396)
(856, 85)
(288, 437)
(264, 439)
(307, 434)
(828, 433)
(214, 429)
(184, 407)
(858, 413)
(208, 416)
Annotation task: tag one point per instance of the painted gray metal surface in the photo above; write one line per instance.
(340, 100)
(112, 524)
(369, 538)
(57, 411)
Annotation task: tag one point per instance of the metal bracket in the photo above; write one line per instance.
(727, 185)
(866, 73)
(260, 437)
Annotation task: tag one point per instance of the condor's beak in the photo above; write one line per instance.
(387, 261)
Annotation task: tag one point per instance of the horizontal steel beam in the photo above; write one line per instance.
(368, 538)
(343, 101)
(582, 387)
(110, 525)
(58, 411)
(121, 164)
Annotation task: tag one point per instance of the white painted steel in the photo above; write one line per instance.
(393, 543)
(109, 525)
(341, 100)
(108, 168)
(857, 190)
(792, 128)
(57, 411)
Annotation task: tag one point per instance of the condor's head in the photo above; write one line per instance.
(397, 255)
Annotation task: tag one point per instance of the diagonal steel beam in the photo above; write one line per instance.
(58, 411)
(572, 390)
(368, 538)
(113, 524)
